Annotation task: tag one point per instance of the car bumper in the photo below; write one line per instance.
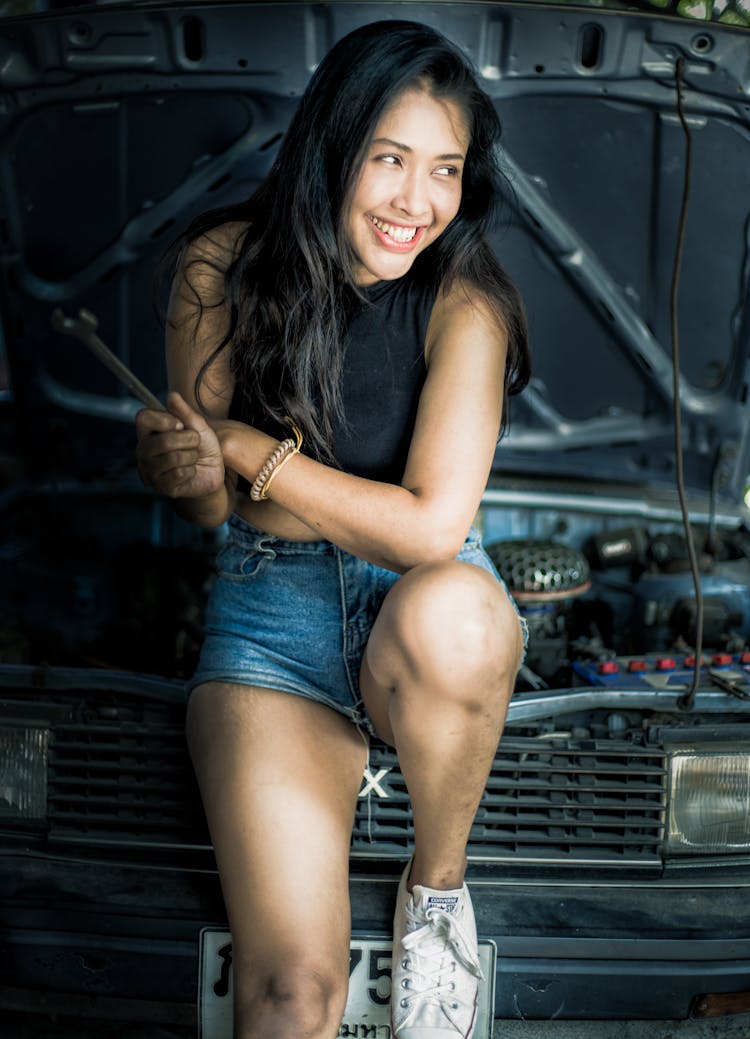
(108, 939)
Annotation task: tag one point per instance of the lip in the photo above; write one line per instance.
(390, 243)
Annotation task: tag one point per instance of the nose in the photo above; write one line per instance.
(413, 195)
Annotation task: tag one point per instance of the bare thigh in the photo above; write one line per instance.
(279, 776)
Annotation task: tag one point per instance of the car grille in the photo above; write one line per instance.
(547, 799)
(128, 783)
(566, 801)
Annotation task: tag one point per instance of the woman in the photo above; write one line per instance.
(351, 307)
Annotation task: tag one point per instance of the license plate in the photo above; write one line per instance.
(367, 1014)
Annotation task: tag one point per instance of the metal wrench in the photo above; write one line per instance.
(729, 685)
(84, 328)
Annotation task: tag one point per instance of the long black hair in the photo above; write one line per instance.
(287, 287)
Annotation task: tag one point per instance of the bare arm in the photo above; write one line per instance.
(179, 454)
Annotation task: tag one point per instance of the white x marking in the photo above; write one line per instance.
(372, 783)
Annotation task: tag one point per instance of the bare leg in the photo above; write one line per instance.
(279, 776)
(436, 680)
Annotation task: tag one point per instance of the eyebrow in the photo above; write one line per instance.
(453, 156)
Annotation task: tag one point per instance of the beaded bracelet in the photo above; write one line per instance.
(275, 461)
(277, 469)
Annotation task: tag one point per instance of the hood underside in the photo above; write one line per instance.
(119, 123)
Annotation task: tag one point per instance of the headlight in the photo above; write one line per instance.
(709, 800)
(23, 773)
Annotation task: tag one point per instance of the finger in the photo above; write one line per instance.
(159, 444)
(148, 420)
(171, 482)
(179, 407)
(181, 483)
(162, 465)
(164, 451)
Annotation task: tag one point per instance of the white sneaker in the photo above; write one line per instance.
(435, 972)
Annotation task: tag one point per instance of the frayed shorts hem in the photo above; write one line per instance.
(268, 680)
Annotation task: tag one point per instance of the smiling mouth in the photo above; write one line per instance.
(402, 235)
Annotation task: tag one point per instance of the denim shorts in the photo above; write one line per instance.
(296, 616)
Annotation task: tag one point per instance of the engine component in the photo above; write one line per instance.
(664, 607)
(543, 577)
(623, 547)
(539, 571)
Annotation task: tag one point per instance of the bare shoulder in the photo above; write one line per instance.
(205, 260)
(199, 320)
(464, 313)
(219, 245)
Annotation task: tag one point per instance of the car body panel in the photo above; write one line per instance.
(120, 122)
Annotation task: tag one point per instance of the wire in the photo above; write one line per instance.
(687, 700)
(739, 310)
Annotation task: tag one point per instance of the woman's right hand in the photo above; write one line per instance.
(178, 453)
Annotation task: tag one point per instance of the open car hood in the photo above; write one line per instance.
(119, 123)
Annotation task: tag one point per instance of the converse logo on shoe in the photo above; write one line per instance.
(447, 903)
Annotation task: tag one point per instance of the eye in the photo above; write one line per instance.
(390, 160)
(447, 171)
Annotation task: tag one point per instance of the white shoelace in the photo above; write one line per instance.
(432, 952)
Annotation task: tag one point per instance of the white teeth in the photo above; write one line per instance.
(398, 234)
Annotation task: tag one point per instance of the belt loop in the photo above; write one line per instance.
(264, 544)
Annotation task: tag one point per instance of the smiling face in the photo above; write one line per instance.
(409, 187)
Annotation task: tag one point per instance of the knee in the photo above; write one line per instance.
(457, 627)
(300, 1002)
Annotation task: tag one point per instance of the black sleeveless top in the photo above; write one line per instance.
(384, 371)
